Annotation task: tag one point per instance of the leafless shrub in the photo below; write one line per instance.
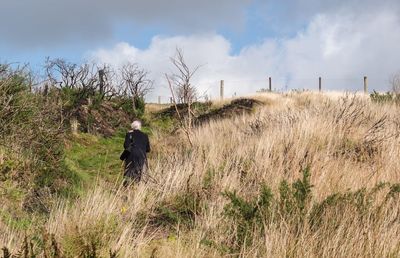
(350, 113)
(185, 91)
(395, 83)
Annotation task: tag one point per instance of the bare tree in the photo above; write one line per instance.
(71, 75)
(395, 83)
(135, 81)
(185, 91)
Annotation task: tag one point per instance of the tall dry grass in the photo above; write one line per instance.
(346, 142)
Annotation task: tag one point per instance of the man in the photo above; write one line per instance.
(136, 146)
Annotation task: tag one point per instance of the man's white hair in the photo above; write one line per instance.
(136, 125)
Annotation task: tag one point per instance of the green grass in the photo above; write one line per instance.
(92, 157)
(10, 191)
(10, 209)
(163, 124)
(16, 220)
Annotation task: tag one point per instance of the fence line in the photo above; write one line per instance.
(221, 87)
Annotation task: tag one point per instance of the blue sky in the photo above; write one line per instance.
(240, 41)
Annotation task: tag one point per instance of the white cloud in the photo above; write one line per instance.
(340, 48)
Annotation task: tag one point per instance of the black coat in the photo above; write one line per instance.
(138, 145)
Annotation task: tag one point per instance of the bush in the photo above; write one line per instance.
(252, 215)
(295, 198)
(364, 203)
(139, 108)
(88, 240)
(248, 216)
(387, 97)
(31, 135)
(135, 108)
(182, 210)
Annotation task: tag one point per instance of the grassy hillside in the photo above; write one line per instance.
(297, 175)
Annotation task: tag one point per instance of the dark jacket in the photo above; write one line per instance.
(140, 142)
(136, 146)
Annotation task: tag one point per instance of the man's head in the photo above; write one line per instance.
(136, 125)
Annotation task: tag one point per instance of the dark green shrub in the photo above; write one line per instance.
(97, 100)
(294, 199)
(394, 190)
(302, 190)
(249, 215)
(75, 97)
(252, 215)
(125, 104)
(359, 202)
(387, 97)
(180, 210)
(134, 107)
(208, 179)
(139, 107)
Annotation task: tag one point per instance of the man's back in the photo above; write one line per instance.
(136, 145)
(140, 141)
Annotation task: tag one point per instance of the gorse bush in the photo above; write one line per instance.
(247, 216)
(252, 215)
(135, 108)
(294, 208)
(74, 97)
(181, 210)
(139, 106)
(387, 97)
(295, 199)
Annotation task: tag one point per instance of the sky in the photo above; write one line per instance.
(242, 42)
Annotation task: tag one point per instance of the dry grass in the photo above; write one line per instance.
(348, 143)
(153, 107)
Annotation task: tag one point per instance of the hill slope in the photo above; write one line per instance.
(304, 175)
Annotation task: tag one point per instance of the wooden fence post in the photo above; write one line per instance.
(365, 84)
(101, 81)
(320, 84)
(221, 90)
(270, 84)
